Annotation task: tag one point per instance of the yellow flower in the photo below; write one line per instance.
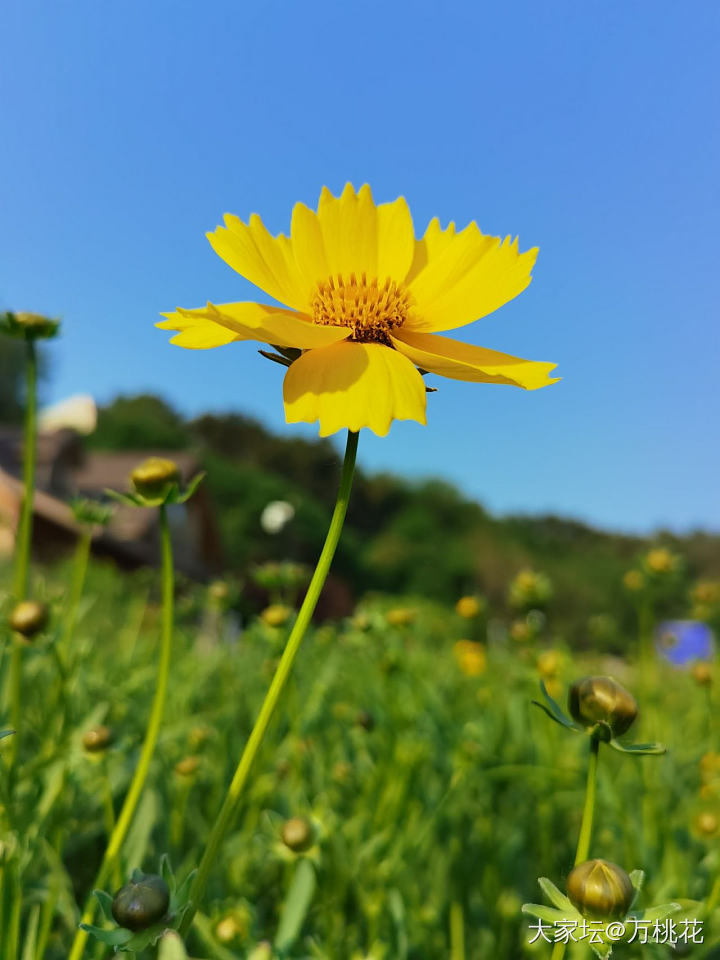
(400, 617)
(469, 607)
(365, 301)
(470, 657)
(633, 581)
(276, 615)
(661, 560)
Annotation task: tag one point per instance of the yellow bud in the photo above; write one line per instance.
(29, 618)
(470, 657)
(153, 478)
(633, 581)
(707, 823)
(702, 673)
(33, 325)
(600, 890)
(400, 617)
(469, 607)
(602, 700)
(276, 615)
(548, 663)
(187, 767)
(97, 739)
(660, 561)
(297, 834)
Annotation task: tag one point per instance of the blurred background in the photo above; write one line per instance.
(585, 129)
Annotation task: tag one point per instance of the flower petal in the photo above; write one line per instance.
(213, 326)
(264, 260)
(349, 234)
(353, 385)
(457, 278)
(463, 361)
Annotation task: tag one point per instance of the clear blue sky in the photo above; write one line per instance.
(588, 128)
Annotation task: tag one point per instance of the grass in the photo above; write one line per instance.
(433, 819)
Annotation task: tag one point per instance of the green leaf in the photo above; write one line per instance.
(6, 733)
(660, 912)
(105, 901)
(111, 938)
(563, 721)
(296, 905)
(31, 934)
(557, 898)
(639, 749)
(548, 914)
(190, 489)
(128, 499)
(276, 358)
(554, 711)
(637, 878)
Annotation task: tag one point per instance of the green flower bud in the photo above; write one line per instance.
(600, 890)
(154, 477)
(297, 834)
(29, 617)
(141, 903)
(602, 700)
(31, 326)
(97, 739)
(187, 767)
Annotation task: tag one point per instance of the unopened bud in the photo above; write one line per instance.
(153, 478)
(187, 767)
(29, 617)
(297, 834)
(141, 902)
(602, 700)
(97, 739)
(600, 890)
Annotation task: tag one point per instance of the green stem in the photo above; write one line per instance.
(231, 802)
(148, 748)
(80, 565)
(583, 846)
(457, 931)
(24, 534)
(24, 537)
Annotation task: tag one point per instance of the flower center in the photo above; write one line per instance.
(371, 310)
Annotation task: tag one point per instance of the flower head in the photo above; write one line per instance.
(363, 301)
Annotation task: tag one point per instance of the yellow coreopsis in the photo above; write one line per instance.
(365, 301)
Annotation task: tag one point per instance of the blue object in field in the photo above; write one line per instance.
(682, 641)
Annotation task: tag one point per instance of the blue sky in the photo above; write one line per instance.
(589, 129)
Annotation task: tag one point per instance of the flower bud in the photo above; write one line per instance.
(702, 673)
(32, 326)
(141, 902)
(602, 700)
(600, 890)
(29, 617)
(633, 581)
(469, 607)
(154, 477)
(187, 767)
(707, 823)
(97, 739)
(400, 617)
(297, 834)
(276, 615)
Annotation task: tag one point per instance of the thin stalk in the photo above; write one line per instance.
(229, 808)
(80, 565)
(24, 536)
(583, 846)
(457, 931)
(151, 735)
